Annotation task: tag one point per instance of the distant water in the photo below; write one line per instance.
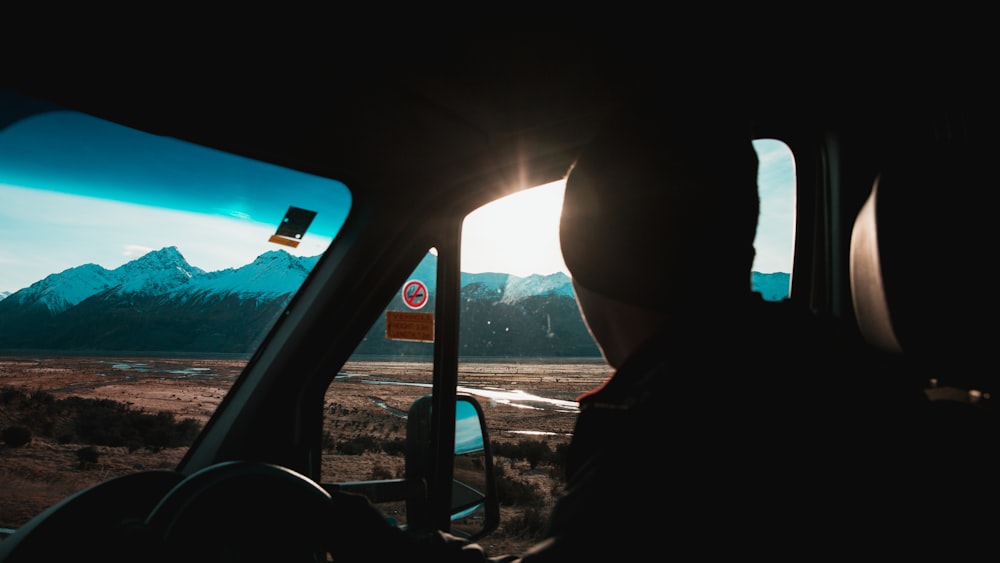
(516, 398)
(773, 287)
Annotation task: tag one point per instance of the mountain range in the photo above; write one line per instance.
(160, 303)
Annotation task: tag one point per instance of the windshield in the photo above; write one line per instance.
(138, 275)
(209, 245)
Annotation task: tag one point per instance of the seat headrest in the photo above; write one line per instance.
(921, 261)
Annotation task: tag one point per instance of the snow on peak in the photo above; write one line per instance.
(537, 284)
(275, 272)
(58, 292)
(157, 272)
(167, 272)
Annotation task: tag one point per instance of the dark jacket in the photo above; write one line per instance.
(706, 442)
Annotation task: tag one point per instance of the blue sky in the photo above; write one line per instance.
(57, 171)
(776, 225)
(76, 190)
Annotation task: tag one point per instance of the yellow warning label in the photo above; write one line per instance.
(406, 325)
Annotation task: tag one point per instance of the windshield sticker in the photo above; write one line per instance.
(409, 325)
(293, 226)
(415, 294)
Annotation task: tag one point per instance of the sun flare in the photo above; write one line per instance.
(517, 234)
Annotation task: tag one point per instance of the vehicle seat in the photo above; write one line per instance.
(921, 261)
(921, 264)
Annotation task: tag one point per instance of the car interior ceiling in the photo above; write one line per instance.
(896, 230)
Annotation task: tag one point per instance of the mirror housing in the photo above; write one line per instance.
(475, 506)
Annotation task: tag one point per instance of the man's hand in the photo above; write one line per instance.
(362, 533)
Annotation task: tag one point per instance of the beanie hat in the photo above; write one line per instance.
(662, 207)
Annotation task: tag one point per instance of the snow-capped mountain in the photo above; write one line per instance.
(161, 272)
(58, 292)
(166, 273)
(161, 303)
(508, 288)
(156, 302)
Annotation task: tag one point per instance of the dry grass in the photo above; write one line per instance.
(35, 476)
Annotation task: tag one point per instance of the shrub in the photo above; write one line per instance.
(328, 442)
(517, 492)
(88, 457)
(358, 445)
(529, 524)
(43, 397)
(16, 436)
(12, 395)
(97, 421)
(394, 447)
(380, 472)
(535, 452)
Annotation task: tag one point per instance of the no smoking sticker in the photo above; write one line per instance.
(415, 294)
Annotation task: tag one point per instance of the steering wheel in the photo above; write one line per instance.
(243, 511)
(102, 522)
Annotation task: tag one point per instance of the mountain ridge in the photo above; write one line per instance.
(150, 303)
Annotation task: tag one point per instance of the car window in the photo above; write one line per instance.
(366, 406)
(524, 350)
(138, 274)
(775, 242)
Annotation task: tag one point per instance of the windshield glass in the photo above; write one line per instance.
(97, 215)
(138, 275)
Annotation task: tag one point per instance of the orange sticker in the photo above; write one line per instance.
(406, 325)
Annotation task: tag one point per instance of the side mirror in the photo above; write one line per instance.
(475, 507)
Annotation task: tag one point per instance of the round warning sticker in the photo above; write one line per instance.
(415, 294)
